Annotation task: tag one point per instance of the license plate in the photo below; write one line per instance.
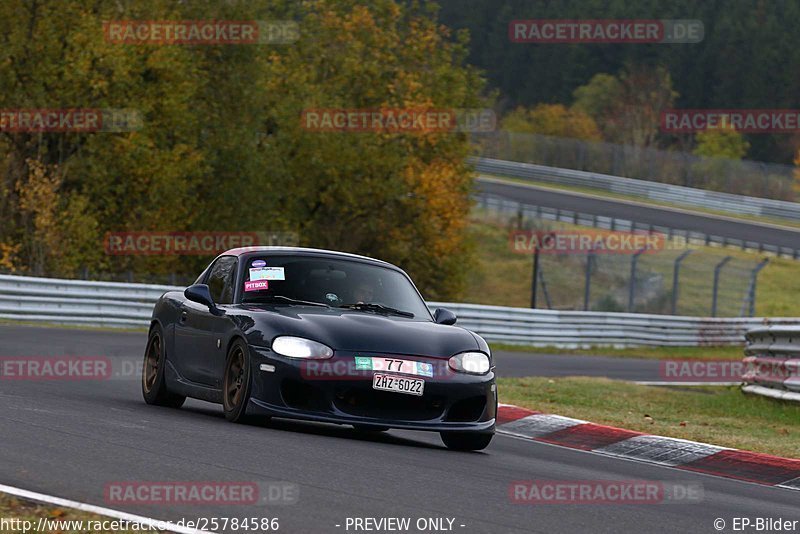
(394, 365)
(398, 384)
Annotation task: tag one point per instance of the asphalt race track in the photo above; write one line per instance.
(71, 439)
(722, 226)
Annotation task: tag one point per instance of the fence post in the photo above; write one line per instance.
(546, 293)
(715, 290)
(587, 288)
(675, 276)
(632, 284)
(753, 280)
(535, 276)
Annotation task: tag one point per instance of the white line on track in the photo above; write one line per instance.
(90, 508)
(657, 383)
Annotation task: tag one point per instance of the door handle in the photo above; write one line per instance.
(184, 316)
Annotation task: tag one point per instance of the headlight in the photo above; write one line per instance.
(298, 347)
(475, 363)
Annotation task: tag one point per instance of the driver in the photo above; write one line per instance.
(363, 293)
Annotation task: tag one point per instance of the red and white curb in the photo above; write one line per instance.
(669, 452)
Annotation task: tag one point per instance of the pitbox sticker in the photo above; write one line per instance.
(256, 285)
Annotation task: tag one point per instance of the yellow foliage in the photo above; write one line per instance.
(796, 183)
(8, 256)
(552, 119)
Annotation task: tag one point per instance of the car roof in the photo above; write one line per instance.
(255, 251)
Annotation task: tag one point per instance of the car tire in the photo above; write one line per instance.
(237, 382)
(154, 385)
(466, 441)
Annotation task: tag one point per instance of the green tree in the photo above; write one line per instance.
(628, 107)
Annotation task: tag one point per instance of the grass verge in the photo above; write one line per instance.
(13, 508)
(647, 353)
(719, 415)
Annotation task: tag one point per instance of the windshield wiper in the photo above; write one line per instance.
(289, 300)
(377, 308)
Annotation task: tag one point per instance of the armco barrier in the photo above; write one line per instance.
(686, 196)
(772, 362)
(80, 302)
(116, 304)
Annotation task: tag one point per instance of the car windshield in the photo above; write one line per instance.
(336, 283)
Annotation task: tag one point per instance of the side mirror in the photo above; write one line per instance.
(200, 293)
(444, 316)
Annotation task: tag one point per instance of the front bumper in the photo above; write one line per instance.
(333, 391)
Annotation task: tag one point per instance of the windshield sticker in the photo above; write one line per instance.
(267, 273)
(332, 297)
(258, 263)
(363, 364)
(425, 369)
(258, 285)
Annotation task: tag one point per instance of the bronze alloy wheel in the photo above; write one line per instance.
(236, 383)
(154, 383)
(235, 377)
(151, 363)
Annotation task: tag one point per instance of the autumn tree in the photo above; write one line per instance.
(628, 107)
(402, 197)
(221, 145)
(552, 119)
(721, 143)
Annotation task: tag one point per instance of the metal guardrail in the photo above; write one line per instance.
(579, 329)
(660, 192)
(80, 302)
(772, 362)
(488, 201)
(114, 304)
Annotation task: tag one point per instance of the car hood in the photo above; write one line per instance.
(355, 331)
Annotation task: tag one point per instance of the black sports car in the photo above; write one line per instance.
(322, 336)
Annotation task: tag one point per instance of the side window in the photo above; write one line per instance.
(221, 280)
